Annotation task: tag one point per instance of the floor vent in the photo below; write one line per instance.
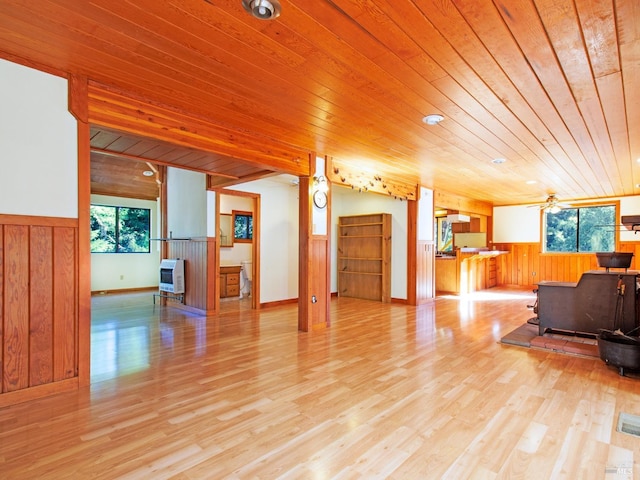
(629, 424)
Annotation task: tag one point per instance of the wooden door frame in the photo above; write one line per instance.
(255, 244)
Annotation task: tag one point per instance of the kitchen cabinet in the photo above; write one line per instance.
(472, 226)
(468, 271)
(447, 274)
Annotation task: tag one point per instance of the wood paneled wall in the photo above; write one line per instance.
(319, 282)
(38, 303)
(200, 272)
(525, 265)
(425, 272)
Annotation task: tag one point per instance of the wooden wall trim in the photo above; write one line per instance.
(15, 365)
(38, 220)
(41, 307)
(304, 267)
(319, 310)
(39, 338)
(40, 391)
(352, 176)
(454, 201)
(31, 64)
(82, 283)
(412, 253)
(257, 232)
(78, 105)
(200, 269)
(279, 303)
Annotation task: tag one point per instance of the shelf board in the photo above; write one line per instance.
(370, 259)
(350, 272)
(359, 224)
(360, 236)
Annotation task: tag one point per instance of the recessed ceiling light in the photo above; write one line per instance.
(148, 173)
(530, 182)
(433, 119)
(262, 9)
(498, 161)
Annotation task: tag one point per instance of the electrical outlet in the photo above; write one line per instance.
(121, 277)
(314, 299)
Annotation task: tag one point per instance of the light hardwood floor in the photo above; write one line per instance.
(389, 391)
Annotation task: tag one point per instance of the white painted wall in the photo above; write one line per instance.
(211, 214)
(426, 221)
(318, 215)
(629, 206)
(187, 203)
(345, 201)
(39, 144)
(516, 224)
(117, 271)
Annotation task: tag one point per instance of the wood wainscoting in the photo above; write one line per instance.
(525, 265)
(200, 276)
(38, 306)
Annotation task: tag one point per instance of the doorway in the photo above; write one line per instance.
(237, 252)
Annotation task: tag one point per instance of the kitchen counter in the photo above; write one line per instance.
(447, 273)
(470, 270)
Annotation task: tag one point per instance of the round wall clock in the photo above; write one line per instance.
(320, 198)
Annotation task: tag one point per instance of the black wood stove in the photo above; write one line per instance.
(602, 304)
(600, 300)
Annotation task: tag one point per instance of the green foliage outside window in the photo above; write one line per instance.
(243, 226)
(584, 229)
(120, 229)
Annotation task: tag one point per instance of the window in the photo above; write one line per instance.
(444, 235)
(242, 226)
(120, 229)
(583, 229)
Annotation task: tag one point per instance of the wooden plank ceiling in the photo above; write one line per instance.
(551, 86)
(119, 162)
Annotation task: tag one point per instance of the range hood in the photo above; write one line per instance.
(458, 218)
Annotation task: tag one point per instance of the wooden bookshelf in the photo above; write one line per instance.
(364, 256)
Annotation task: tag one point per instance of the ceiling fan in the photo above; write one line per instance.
(551, 204)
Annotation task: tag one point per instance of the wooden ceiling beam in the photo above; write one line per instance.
(121, 112)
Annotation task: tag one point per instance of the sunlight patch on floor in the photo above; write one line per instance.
(486, 295)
